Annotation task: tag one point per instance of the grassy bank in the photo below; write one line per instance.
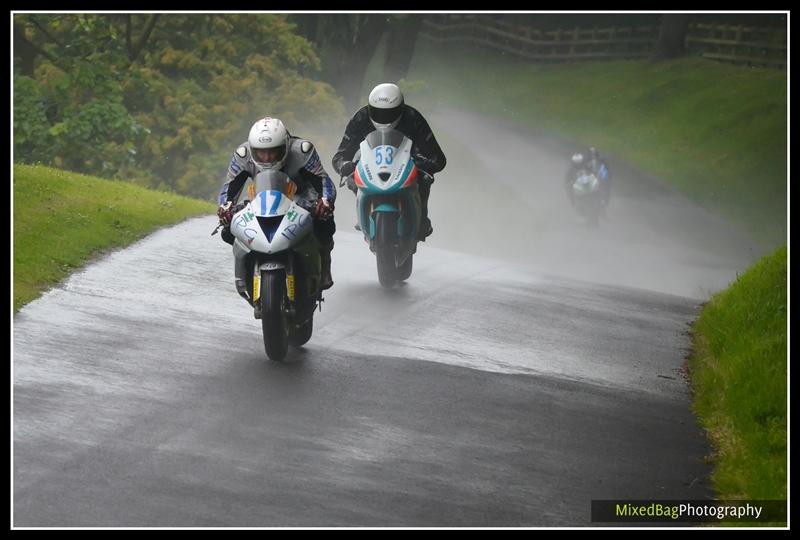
(739, 375)
(714, 131)
(62, 219)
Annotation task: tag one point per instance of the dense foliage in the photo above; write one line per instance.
(161, 99)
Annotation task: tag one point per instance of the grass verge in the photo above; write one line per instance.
(62, 219)
(739, 374)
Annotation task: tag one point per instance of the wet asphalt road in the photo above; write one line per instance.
(482, 393)
(472, 397)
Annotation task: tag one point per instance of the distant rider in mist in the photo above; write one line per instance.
(386, 108)
(271, 147)
(593, 163)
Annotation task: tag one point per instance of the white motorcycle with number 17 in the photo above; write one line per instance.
(277, 262)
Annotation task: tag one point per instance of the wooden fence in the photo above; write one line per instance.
(737, 44)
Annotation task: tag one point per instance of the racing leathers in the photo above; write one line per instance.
(304, 167)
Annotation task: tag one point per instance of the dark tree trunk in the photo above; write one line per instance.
(672, 37)
(133, 53)
(307, 26)
(128, 35)
(24, 50)
(27, 51)
(400, 50)
(349, 44)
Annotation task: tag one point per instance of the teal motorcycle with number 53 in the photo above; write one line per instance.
(388, 202)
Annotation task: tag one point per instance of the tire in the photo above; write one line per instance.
(404, 271)
(590, 211)
(273, 316)
(385, 235)
(301, 336)
(594, 213)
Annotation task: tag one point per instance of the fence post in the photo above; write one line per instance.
(557, 41)
(612, 43)
(572, 45)
(526, 47)
(628, 42)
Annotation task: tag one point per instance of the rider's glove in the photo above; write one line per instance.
(347, 168)
(225, 213)
(324, 209)
(422, 163)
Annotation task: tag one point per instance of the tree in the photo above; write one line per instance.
(26, 51)
(403, 33)
(672, 36)
(161, 98)
(135, 46)
(346, 44)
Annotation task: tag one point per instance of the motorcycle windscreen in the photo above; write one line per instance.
(385, 137)
(272, 181)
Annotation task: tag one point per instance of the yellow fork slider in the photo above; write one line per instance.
(290, 286)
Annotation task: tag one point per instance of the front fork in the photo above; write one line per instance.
(406, 203)
(250, 289)
(289, 273)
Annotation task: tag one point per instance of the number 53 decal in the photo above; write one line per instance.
(384, 153)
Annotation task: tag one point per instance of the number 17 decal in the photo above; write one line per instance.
(275, 202)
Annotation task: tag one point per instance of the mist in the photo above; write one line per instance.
(502, 196)
(505, 199)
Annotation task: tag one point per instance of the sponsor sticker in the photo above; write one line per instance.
(314, 165)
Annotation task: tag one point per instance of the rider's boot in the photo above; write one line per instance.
(326, 280)
(425, 227)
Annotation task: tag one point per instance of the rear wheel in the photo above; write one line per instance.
(273, 314)
(385, 238)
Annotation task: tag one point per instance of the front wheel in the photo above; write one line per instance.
(273, 314)
(593, 215)
(385, 238)
(303, 333)
(404, 270)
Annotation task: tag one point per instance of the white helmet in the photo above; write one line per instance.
(577, 159)
(269, 143)
(385, 105)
